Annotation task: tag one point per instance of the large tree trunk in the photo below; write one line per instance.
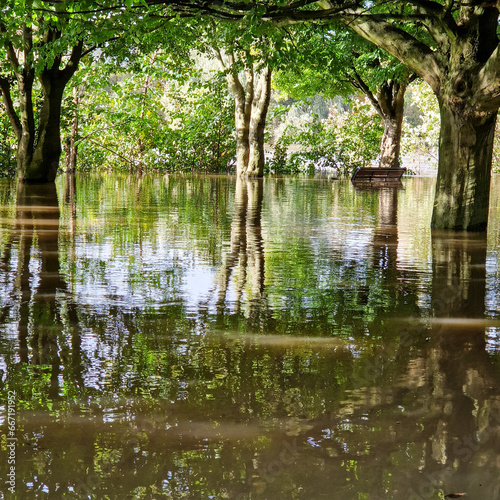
(464, 172)
(39, 163)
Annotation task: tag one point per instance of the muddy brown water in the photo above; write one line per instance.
(207, 338)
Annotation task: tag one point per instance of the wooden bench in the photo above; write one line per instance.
(373, 174)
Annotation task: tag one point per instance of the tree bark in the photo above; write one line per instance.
(464, 171)
(38, 163)
(251, 103)
(391, 101)
(243, 97)
(260, 106)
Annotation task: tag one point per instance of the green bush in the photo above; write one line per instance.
(144, 122)
(7, 148)
(342, 142)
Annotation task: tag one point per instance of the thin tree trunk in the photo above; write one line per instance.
(260, 106)
(72, 152)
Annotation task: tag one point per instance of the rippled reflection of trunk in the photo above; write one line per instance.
(385, 238)
(459, 363)
(245, 259)
(40, 282)
(459, 273)
(37, 224)
(70, 198)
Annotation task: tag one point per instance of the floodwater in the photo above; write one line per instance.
(207, 338)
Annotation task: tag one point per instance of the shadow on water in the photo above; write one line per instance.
(308, 371)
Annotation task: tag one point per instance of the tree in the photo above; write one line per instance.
(459, 58)
(338, 62)
(252, 93)
(42, 44)
(454, 47)
(245, 63)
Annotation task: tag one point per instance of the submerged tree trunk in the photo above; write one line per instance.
(391, 98)
(252, 93)
(464, 172)
(389, 104)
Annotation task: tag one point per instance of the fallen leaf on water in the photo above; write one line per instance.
(455, 495)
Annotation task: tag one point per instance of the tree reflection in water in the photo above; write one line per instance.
(245, 259)
(37, 280)
(314, 372)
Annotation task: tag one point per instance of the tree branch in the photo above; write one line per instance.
(11, 52)
(411, 52)
(74, 60)
(489, 76)
(9, 108)
(361, 85)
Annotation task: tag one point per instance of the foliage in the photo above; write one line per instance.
(7, 147)
(342, 142)
(421, 133)
(334, 61)
(146, 120)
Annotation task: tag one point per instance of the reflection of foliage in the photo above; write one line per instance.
(167, 397)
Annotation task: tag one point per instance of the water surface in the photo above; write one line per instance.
(202, 337)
